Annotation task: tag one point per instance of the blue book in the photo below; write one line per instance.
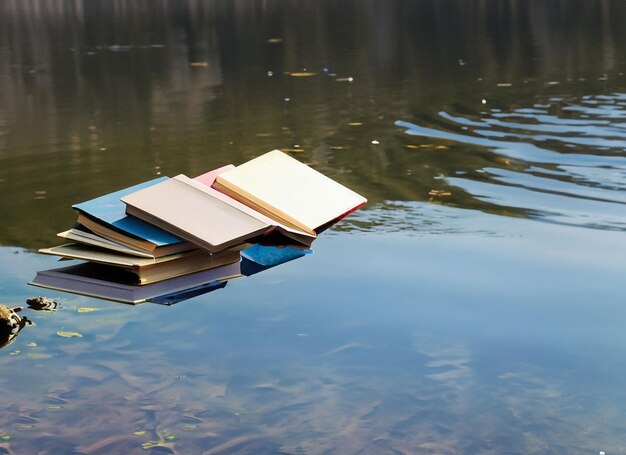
(258, 258)
(106, 217)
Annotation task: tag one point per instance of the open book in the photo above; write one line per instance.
(271, 195)
(204, 216)
(289, 192)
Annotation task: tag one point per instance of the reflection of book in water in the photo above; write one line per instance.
(115, 283)
(258, 258)
(118, 284)
(186, 294)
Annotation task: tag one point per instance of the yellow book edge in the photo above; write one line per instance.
(251, 201)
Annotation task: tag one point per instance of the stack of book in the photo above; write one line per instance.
(172, 237)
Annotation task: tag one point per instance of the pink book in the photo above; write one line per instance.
(208, 178)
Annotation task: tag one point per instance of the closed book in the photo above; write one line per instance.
(111, 283)
(106, 217)
(196, 213)
(147, 270)
(81, 234)
(288, 191)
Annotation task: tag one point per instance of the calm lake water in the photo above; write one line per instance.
(476, 305)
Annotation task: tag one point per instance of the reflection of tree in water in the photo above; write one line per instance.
(182, 86)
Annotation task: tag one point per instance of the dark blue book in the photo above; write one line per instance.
(106, 217)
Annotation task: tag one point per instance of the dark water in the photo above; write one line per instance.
(474, 306)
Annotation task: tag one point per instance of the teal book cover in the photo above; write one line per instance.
(111, 211)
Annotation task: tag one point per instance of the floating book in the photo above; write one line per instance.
(112, 283)
(105, 216)
(202, 215)
(147, 270)
(170, 238)
(289, 192)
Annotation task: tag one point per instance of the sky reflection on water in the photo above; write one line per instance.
(408, 350)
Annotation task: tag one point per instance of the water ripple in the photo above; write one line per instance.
(562, 160)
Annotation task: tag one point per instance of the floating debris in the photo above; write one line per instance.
(355, 123)
(161, 442)
(411, 146)
(484, 101)
(439, 193)
(345, 79)
(87, 310)
(274, 40)
(69, 334)
(301, 74)
(292, 150)
(504, 84)
(39, 355)
(25, 426)
(270, 73)
(139, 433)
(375, 142)
(199, 64)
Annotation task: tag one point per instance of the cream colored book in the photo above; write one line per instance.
(289, 192)
(82, 236)
(148, 270)
(196, 213)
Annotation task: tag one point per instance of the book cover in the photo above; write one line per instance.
(289, 191)
(194, 212)
(208, 178)
(106, 282)
(108, 210)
